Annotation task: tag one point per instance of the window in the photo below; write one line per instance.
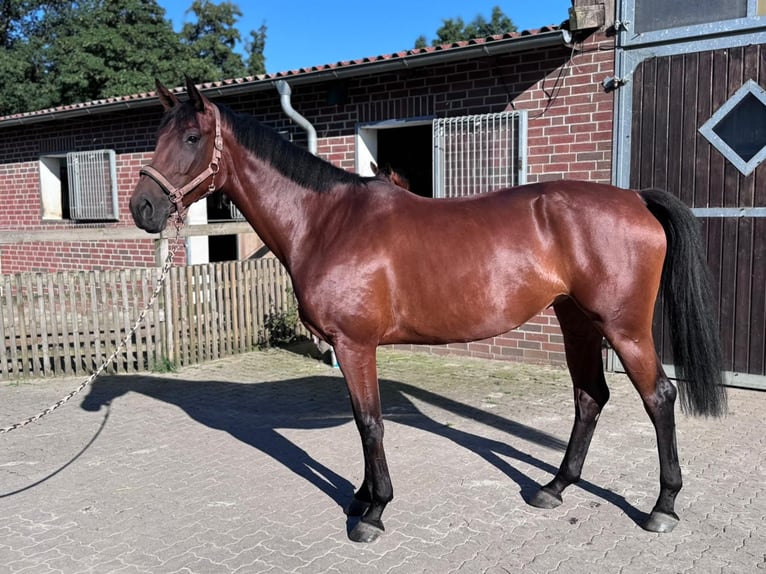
(79, 186)
(234, 213)
(654, 15)
(449, 157)
(649, 21)
(403, 145)
(738, 128)
(476, 154)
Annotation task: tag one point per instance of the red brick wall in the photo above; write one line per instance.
(18, 184)
(570, 136)
(340, 150)
(537, 341)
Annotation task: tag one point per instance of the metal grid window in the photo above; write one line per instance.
(92, 179)
(480, 153)
(236, 214)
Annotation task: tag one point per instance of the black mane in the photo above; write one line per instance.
(294, 162)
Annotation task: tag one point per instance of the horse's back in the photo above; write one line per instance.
(554, 219)
(463, 269)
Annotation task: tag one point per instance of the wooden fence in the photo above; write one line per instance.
(67, 323)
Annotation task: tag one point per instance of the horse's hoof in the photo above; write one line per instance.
(545, 499)
(661, 522)
(357, 507)
(366, 532)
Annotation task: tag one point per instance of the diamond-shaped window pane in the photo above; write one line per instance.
(738, 128)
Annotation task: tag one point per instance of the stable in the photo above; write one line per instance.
(456, 119)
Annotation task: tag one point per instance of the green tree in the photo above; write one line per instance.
(456, 30)
(17, 17)
(256, 61)
(213, 37)
(59, 52)
(104, 48)
(22, 39)
(499, 24)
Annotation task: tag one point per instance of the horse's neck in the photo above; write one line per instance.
(284, 214)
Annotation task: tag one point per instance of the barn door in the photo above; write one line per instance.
(699, 131)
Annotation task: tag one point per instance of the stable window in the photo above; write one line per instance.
(449, 157)
(654, 15)
(738, 128)
(649, 21)
(234, 213)
(476, 154)
(79, 186)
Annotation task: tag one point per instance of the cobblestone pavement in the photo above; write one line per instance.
(244, 464)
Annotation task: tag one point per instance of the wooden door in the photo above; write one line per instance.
(673, 96)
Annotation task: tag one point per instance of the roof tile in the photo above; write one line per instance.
(287, 73)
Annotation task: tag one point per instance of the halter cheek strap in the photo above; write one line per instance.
(176, 194)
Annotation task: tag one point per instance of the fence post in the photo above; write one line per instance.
(161, 247)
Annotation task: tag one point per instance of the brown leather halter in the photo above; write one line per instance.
(176, 194)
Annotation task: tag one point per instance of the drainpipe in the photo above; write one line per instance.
(284, 98)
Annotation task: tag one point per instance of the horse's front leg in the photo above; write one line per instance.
(358, 366)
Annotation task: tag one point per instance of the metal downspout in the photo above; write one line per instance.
(284, 98)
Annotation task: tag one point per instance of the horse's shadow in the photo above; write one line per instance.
(252, 413)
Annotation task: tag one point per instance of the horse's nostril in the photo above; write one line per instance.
(146, 209)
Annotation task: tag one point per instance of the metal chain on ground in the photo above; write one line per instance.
(141, 316)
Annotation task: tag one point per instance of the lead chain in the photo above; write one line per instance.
(141, 316)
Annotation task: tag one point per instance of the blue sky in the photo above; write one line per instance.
(304, 33)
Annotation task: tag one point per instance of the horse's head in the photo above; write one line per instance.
(186, 163)
(388, 173)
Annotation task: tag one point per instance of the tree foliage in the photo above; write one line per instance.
(212, 37)
(60, 52)
(456, 30)
(101, 49)
(256, 62)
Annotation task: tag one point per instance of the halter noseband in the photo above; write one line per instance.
(176, 194)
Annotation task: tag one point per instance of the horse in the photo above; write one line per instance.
(388, 173)
(374, 265)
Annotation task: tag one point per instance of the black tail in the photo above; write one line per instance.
(687, 294)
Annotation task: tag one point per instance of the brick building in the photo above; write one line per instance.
(539, 92)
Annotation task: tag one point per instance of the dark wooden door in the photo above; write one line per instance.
(673, 97)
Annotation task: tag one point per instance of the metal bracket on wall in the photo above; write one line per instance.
(611, 83)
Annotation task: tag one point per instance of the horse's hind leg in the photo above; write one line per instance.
(639, 357)
(583, 352)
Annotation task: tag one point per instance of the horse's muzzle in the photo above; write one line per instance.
(150, 212)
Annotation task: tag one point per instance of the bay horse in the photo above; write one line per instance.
(372, 264)
(388, 173)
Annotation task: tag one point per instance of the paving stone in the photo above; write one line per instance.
(244, 465)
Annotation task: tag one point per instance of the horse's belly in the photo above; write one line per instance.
(466, 317)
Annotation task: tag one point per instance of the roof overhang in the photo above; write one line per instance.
(341, 70)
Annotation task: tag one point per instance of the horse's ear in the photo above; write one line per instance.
(195, 96)
(374, 167)
(167, 98)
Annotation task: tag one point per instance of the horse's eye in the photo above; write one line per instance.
(192, 139)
